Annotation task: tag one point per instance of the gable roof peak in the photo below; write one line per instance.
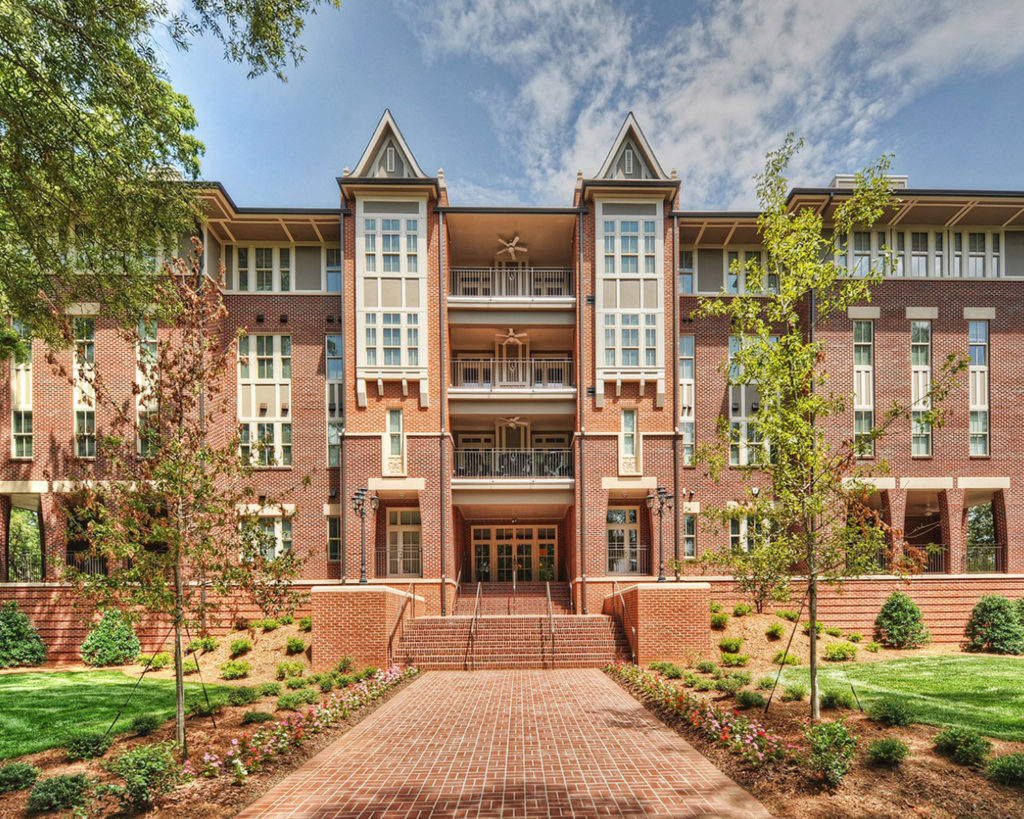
(387, 154)
(620, 165)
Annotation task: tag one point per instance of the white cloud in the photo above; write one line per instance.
(714, 91)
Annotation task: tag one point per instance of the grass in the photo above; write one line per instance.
(37, 711)
(983, 693)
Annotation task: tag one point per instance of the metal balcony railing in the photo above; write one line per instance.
(936, 558)
(398, 561)
(87, 564)
(526, 282)
(985, 558)
(624, 559)
(513, 463)
(524, 373)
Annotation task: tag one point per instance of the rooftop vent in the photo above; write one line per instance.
(846, 181)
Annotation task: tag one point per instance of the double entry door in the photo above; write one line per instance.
(523, 552)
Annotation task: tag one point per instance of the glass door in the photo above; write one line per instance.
(524, 555)
(503, 550)
(482, 555)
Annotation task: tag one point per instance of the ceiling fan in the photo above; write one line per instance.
(513, 423)
(512, 246)
(511, 336)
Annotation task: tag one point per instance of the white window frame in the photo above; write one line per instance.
(980, 351)
(944, 253)
(334, 539)
(863, 387)
(627, 526)
(746, 446)
(21, 401)
(630, 443)
(393, 442)
(283, 530)
(687, 373)
(266, 437)
(920, 386)
(400, 562)
(84, 369)
(689, 525)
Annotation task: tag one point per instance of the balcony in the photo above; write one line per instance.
(513, 463)
(513, 373)
(985, 558)
(512, 283)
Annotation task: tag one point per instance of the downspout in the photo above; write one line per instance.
(443, 400)
(344, 393)
(674, 368)
(581, 393)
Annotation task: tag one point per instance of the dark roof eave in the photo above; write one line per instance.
(414, 182)
(907, 192)
(510, 210)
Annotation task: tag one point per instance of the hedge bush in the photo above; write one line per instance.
(819, 627)
(787, 614)
(235, 669)
(253, 717)
(292, 668)
(766, 683)
(854, 637)
(706, 667)
(734, 660)
(730, 644)
(240, 647)
(888, 753)
(873, 646)
(161, 660)
(719, 620)
(1007, 770)
(832, 749)
(774, 631)
(190, 667)
(742, 610)
(782, 657)
(751, 699)
(147, 771)
(204, 644)
(243, 695)
(17, 776)
(145, 724)
(87, 744)
(964, 745)
(305, 624)
(832, 698)
(899, 624)
(296, 645)
(62, 792)
(269, 689)
(794, 692)
(715, 607)
(286, 619)
(892, 711)
(840, 652)
(20, 643)
(111, 641)
(995, 626)
(834, 631)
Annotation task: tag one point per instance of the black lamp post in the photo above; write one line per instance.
(664, 500)
(363, 502)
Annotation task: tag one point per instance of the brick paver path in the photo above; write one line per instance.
(508, 744)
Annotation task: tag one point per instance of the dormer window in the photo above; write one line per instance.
(390, 159)
(629, 161)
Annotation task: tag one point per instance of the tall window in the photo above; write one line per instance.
(264, 410)
(21, 396)
(333, 539)
(863, 387)
(277, 536)
(394, 462)
(689, 536)
(334, 269)
(335, 367)
(622, 530)
(920, 384)
(85, 358)
(978, 385)
(404, 535)
(85, 433)
(687, 396)
(629, 449)
(743, 533)
(746, 446)
(686, 271)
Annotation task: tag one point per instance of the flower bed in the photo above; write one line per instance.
(726, 727)
(249, 752)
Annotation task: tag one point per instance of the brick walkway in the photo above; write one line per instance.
(508, 744)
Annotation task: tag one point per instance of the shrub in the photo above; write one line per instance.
(734, 660)
(145, 724)
(1007, 770)
(290, 702)
(794, 692)
(61, 792)
(706, 667)
(111, 641)
(658, 665)
(964, 745)
(189, 667)
(326, 684)
(672, 671)
(285, 619)
(706, 685)
(147, 770)
(819, 627)
(270, 624)
(241, 623)
(995, 626)
(240, 647)
(243, 695)
(832, 748)
(235, 669)
(269, 689)
(766, 683)
(787, 614)
(145, 661)
(718, 621)
(892, 711)
(742, 676)
(873, 647)
(203, 644)
(296, 645)
(87, 744)
(715, 607)
(750, 699)
(17, 776)
(782, 657)
(899, 624)
(295, 683)
(161, 660)
(774, 631)
(730, 644)
(834, 698)
(305, 624)
(290, 669)
(344, 665)
(742, 610)
(833, 631)
(854, 637)
(343, 680)
(20, 643)
(253, 717)
(310, 695)
(840, 652)
(888, 753)
(728, 685)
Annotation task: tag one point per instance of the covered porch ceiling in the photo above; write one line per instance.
(476, 236)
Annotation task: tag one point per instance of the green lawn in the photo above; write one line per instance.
(38, 710)
(981, 692)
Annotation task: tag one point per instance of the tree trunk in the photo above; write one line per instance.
(179, 670)
(812, 609)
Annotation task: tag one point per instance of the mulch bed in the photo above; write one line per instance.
(925, 785)
(202, 798)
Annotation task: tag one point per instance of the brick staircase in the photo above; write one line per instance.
(503, 640)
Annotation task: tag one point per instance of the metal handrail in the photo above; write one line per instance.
(472, 626)
(513, 463)
(984, 558)
(410, 592)
(551, 623)
(625, 612)
(458, 588)
(514, 602)
(521, 373)
(512, 282)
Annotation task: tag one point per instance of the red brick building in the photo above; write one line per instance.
(512, 383)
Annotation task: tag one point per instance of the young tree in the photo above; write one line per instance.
(812, 520)
(169, 505)
(93, 138)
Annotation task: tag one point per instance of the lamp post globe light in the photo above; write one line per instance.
(363, 502)
(658, 501)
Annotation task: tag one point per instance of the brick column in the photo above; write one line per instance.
(5, 524)
(671, 620)
(896, 506)
(354, 621)
(53, 528)
(1008, 515)
(954, 536)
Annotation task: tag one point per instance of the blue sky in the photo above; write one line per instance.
(511, 98)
